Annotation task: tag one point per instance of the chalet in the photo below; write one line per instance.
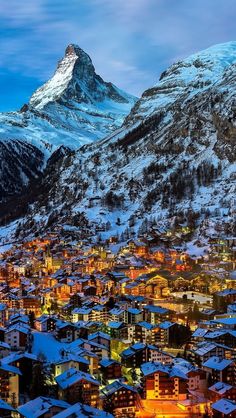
(137, 354)
(143, 332)
(138, 247)
(155, 314)
(117, 314)
(18, 336)
(110, 369)
(66, 332)
(224, 408)
(70, 361)
(81, 314)
(100, 338)
(172, 334)
(45, 323)
(224, 298)
(133, 316)
(9, 384)
(206, 350)
(24, 362)
(222, 336)
(220, 370)
(222, 390)
(225, 322)
(163, 382)
(100, 350)
(199, 334)
(121, 397)
(117, 330)
(99, 313)
(31, 303)
(208, 314)
(18, 318)
(74, 386)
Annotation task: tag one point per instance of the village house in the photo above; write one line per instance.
(121, 397)
(220, 370)
(74, 386)
(9, 384)
(70, 361)
(45, 323)
(162, 382)
(222, 390)
(110, 369)
(18, 336)
(224, 408)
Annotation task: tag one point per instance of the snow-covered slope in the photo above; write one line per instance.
(194, 74)
(173, 158)
(73, 108)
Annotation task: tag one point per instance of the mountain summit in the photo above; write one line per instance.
(76, 83)
(75, 107)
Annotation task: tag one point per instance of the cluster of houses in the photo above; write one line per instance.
(99, 331)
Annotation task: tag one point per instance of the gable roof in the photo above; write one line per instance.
(216, 363)
(39, 406)
(72, 376)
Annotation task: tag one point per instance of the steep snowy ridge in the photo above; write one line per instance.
(187, 78)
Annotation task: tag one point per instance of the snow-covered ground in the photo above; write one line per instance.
(195, 296)
(45, 343)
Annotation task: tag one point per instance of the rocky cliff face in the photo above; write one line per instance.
(174, 156)
(20, 163)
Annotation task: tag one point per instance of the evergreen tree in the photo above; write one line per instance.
(38, 385)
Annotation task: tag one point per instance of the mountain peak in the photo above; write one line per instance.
(74, 49)
(75, 83)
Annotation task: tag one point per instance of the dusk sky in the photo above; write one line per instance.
(130, 41)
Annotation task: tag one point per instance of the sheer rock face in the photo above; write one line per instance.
(20, 163)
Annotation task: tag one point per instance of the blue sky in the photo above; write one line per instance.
(130, 41)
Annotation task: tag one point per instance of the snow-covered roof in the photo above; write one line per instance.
(72, 376)
(156, 309)
(99, 334)
(200, 332)
(225, 406)
(220, 387)
(40, 406)
(117, 385)
(106, 362)
(217, 363)
(5, 406)
(79, 410)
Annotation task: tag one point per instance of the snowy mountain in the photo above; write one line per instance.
(73, 108)
(172, 160)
